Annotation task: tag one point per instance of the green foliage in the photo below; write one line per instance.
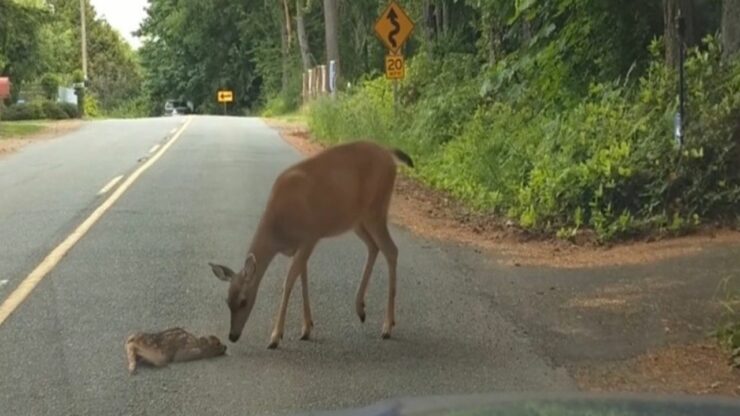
(92, 106)
(31, 111)
(728, 330)
(15, 129)
(366, 113)
(190, 55)
(40, 110)
(19, 40)
(40, 41)
(50, 85)
(53, 110)
(131, 108)
(70, 109)
(606, 162)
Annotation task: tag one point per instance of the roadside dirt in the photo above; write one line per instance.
(433, 214)
(51, 130)
(698, 368)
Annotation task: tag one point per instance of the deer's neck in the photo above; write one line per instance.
(264, 249)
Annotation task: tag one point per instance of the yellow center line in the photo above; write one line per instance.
(24, 289)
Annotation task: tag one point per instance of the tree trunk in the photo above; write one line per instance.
(288, 26)
(445, 17)
(302, 36)
(730, 29)
(429, 21)
(438, 17)
(670, 33)
(491, 35)
(285, 47)
(331, 26)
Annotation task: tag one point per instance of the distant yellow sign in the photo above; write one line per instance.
(394, 27)
(225, 96)
(395, 67)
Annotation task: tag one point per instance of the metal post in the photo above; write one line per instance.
(681, 116)
(83, 36)
(333, 78)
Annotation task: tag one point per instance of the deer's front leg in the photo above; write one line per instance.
(296, 268)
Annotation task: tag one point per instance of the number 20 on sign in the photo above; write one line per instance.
(395, 67)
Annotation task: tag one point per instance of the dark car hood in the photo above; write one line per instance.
(549, 404)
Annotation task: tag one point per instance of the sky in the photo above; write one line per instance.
(123, 15)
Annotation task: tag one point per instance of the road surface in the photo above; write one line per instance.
(144, 266)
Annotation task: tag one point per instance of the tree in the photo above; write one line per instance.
(302, 35)
(286, 39)
(20, 56)
(730, 28)
(331, 23)
(672, 9)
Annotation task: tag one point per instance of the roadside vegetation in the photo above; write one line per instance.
(20, 129)
(40, 52)
(559, 116)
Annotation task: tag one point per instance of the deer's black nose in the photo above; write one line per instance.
(233, 337)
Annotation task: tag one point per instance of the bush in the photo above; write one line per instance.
(92, 107)
(25, 111)
(70, 109)
(131, 108)
(276, 106)
(53, 111)
(50, 85)
(39, 110)
(606, 161)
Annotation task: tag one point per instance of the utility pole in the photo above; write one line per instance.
(84, 40)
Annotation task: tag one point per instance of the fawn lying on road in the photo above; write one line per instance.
(170, 345)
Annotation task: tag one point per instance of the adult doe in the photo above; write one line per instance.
(345, 187)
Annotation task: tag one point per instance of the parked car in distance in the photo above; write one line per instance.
(175, 107)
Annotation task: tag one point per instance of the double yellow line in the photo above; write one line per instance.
(24, 289)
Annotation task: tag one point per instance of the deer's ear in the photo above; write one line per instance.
(222, 272)
(250, 265)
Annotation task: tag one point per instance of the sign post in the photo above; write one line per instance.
(393, 28)
(225, 96)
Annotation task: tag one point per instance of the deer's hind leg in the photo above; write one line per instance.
(372, 255)
(307, 319)
(379, 232)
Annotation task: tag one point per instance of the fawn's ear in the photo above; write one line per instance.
(223, 273)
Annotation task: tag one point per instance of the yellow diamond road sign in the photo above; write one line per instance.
(395, 67)
(394, 27)
(225, 96)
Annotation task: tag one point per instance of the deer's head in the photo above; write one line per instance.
(242, 293)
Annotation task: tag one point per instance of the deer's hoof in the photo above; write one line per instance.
(273, 345)
(305, 337)
(386, 335)
(362, 317)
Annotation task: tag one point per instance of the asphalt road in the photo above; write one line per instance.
(143, 266)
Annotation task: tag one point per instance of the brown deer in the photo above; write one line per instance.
(345, 187)
(170, 345)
